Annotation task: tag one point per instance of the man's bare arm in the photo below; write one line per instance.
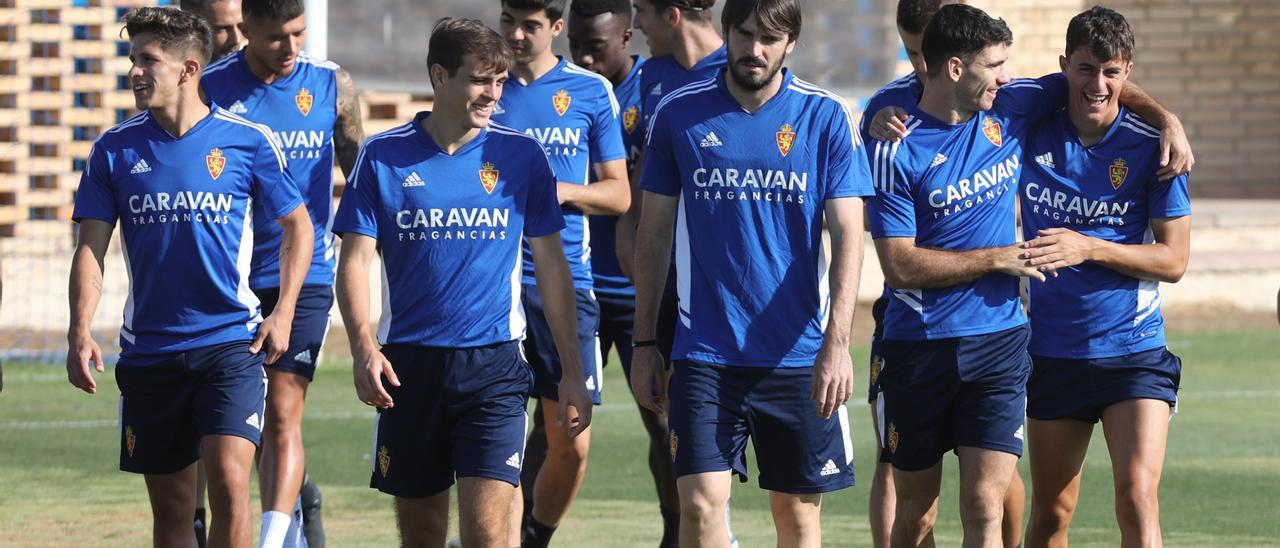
(1175, 150)
(85, 292)
(609, 194)
(348, 130)
(908, 266)
(1165, 260)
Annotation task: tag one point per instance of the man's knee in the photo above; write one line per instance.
(1053, 515)
(796, 511)
(703, 504)
(1136, 502)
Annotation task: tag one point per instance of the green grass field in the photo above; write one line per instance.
(59, 485)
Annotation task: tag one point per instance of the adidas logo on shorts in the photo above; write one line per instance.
(303, 357)
(413, 180)
(710, 141)
(591, 382)
(829, 469)
(514, 461)
(253, 421)
(1018, 434)
(140, 167)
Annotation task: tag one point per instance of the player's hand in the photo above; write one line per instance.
(368, 367)
(832, 379)
(649, 379)
(575, 406)
(273, 333)
(1175, 152)
(889, 124)
(1056, 248)
(1009, 260)
(82, 350)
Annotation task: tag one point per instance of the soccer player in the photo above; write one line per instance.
(742, 169)
(573, 113)
(180, 178)
(312, 107)
(224, 18)
(444, 200)
(1095, 214)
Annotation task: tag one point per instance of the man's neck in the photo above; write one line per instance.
(617, 77)
(695, 44)
(259, 69)
(1090, 131)
(534, 69)
(180, 117)
(938, 101)
(448, 133)
(751, 101)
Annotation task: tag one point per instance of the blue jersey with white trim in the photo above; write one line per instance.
(605, 271)
(186, 207)
(449, 227)
(573, 113)
(663, 75)
(954, 187)
(751, 272)
(1107, 191)
(301, 109)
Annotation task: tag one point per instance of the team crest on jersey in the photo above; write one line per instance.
(215, 161)
(561, 102)
(892, 438)
(384, 460)
(489, 177)
(630, 118)
(991, 129)
(876, 363)
(674, 443)
(130, 440)
(786, 138)
(1119, 170)
(304, 100)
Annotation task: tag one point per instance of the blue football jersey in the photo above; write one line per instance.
(607, 275)
(750, 267)
(1108, 191)
(186, 208)
(301, 110)
(573, 113)
(663, 75)
(449, 227)
(954, 187)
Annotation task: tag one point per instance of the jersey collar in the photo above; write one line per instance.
(427, 142)
(1111, 131)
(560, 64)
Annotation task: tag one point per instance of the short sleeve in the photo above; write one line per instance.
(847, 171)
(95, 198)
(1032, 98)
(273, 187)
(358, 209)
(542, 213)
(1169, 198)
(606, 133)
(660, 172)
(892, 213)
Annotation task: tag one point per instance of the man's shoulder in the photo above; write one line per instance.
(126, 133)
(691, 95)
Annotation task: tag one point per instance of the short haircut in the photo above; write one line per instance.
(773, 16)
(592, 8)
(694, 10)
(453, 39)
(1103, 32)
(277, 10)
(553, 8)
(175, 30)
(914, 15)
(961, 31)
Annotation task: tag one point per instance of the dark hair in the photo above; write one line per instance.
(961, 31)
(452, 39)
(774, 16)
(694, 10)
(553, 8)
(175, 30)
(278, 10)
(1103, 31)
(592, 8)
(914, 15)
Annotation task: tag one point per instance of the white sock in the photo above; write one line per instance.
(294, 538)
(275, 525)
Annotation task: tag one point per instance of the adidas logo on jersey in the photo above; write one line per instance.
(140, 167)
(303, 357)
(710, 141)
(413, 180)
(1045, 160)
(514, 461)
(497, 109)
(829, 469)
(938, 160)
(253, 421)
(238, 108)
(657, 90)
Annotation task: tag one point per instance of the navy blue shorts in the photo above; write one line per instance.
(459, 412)
(715, 408)
(310, 325)
(617, 318)
(964, 391)
(540, 345)
(877, 350)
(167, 403)
(1081, 389)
